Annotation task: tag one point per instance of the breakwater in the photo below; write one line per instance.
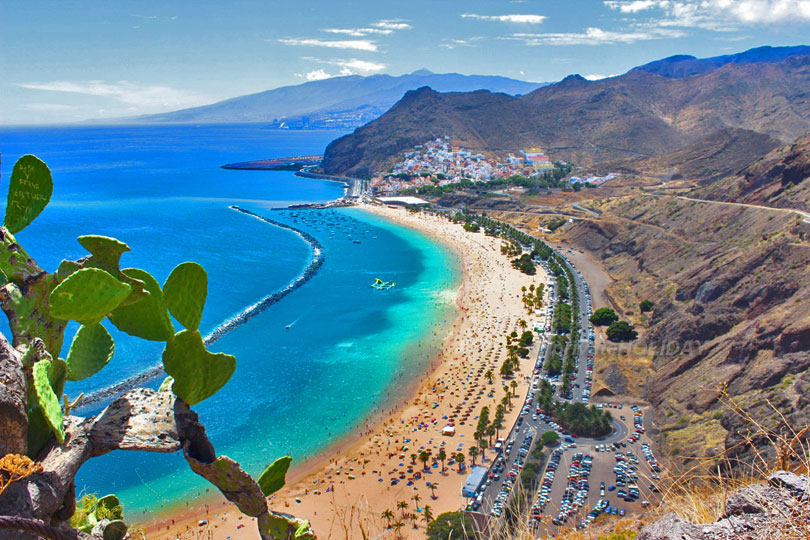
(232, 323)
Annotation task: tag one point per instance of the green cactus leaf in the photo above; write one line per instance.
(29, 192)
(147, 318)
(47, 400)
(115, 530)
(38, 429)
(57, 376)
(198, 374)
(106, 251)
(87, 296)
(166, 385)
(273, 477)
(185, 291)
(65, 269)
(91, 350)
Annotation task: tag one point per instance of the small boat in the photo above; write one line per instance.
(288, 326)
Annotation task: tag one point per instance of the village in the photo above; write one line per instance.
(438, 163)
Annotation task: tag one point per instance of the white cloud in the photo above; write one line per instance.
(359, 32)
(50, 107)
(632, 6)
(524, 19)
(357, 44)
(315, 75)
(595, 77)
(717, 14)
(594, 36)
(363, 66)
(392, 24)
(138, 95)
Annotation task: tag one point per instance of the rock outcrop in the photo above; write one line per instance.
(779, 509)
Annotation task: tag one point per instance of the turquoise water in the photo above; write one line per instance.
(349, 348)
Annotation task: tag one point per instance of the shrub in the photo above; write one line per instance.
(621, 331)
(603, 317)
(451, 526)
(645, 306)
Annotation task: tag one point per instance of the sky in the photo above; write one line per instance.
(73, 60)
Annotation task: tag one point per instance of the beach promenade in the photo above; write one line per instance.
(346, 490)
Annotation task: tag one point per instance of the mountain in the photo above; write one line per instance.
(781, 179)
(337, 102)
(682, 65)
(636, 115)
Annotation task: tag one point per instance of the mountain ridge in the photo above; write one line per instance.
(638, 114)
(354, 98)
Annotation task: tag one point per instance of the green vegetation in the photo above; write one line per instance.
(550, 438)
(547, 180)
(645, 305)
(603, 317)
(451, 526)
(555, 223)
(562, 318)
(472, 227)
(524, 264)
(621, 331)
(582, 420)
(39, 306)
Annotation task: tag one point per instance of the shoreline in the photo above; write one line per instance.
(305, 496)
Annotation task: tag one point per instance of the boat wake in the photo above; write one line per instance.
(229, 325)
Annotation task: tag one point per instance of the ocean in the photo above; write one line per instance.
(350, 349)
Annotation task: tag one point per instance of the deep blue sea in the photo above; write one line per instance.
(350, 348)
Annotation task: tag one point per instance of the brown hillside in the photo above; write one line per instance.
(780, 179)
(731, 289)
(636, 115)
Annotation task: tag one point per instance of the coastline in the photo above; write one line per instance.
(314, 490)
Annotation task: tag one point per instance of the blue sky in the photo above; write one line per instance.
(65, 61)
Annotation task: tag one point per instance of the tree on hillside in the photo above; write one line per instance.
(645, 305)
(451, 526)
(603, 317)
(621, 331)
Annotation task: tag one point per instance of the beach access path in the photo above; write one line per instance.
(345, 491)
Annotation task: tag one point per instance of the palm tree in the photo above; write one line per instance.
(413, 518)
(433, 486)
(514, 386)
(442, 457)
(523, 324)
(388, 515)
(473, 451)
(397, 526)
(460, 460)
(416, 498)
(427, 514)
(489, 375)
(424, 457)
(402, 506)
(413, 459)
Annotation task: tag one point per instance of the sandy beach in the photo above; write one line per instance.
(346, 489)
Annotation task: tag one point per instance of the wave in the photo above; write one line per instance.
(229, 325)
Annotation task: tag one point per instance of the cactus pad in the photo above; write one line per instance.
(87, 296)
(47, 400)
(147, 318)
(91, 350)
(273, 477)
(185, 291)
(166, 385)
(198, 374)
(57, 376)
(106, 251)
(29, 192)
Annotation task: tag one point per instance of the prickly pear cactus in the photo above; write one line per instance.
(105, 251)
(29, 191)
(87, 296)
(148, 318)
(115, 530)
(185, 291)
(198, 374)
(57, 376)
(274, 476)
(91, 350)
(47, 400)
